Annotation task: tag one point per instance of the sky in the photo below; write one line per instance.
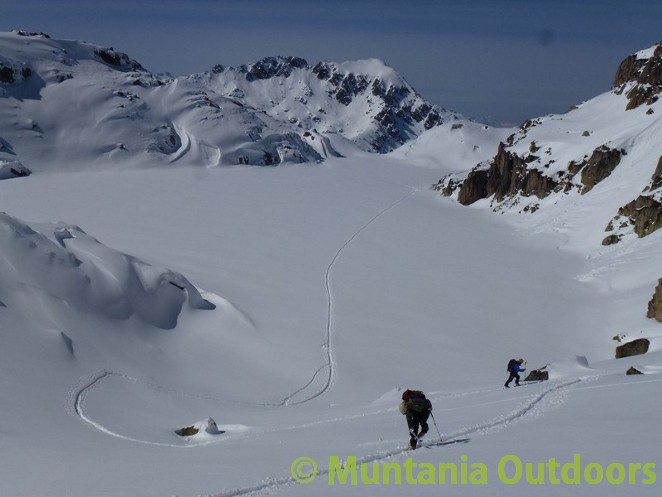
(498, 61)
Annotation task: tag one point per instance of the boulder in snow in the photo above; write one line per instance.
(633, 370)
(207, 426)
(538, 375)
(635, 347)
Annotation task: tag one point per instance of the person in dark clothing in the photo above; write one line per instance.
(416, 409)
(515, 366)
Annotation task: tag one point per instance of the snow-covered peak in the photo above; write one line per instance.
(365, 101)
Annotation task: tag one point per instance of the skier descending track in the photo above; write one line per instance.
(447, 439)
(330, 364)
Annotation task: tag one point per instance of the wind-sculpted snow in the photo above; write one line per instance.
(65, 263)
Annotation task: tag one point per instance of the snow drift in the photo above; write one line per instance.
(65, 263)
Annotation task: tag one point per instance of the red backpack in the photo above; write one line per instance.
(412, 394)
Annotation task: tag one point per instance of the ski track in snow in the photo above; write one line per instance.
(185, 146)
(448, 439)
(330, 364)
(79, 401)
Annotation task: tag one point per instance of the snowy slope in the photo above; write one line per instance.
(451, 146)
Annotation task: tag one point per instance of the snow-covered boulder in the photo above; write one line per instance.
(12, 169)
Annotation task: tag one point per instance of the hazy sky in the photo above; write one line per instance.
(504, 61)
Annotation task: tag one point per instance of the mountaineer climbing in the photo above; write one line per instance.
(515, 366)
(417, 409)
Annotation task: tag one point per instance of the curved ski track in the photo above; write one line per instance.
(330, 362)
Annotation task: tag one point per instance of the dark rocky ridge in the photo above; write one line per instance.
(117, 59)
(508, 175)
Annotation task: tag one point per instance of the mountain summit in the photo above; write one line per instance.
(365, 101)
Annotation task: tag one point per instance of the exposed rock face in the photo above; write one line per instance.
(600, 165)
(10, 75)
(635, 347)
(506, 176)
(657, 176)
(118, 59)
(537, 375)
(641, 76)
(655, 304)
(633, 370)
(644, 213)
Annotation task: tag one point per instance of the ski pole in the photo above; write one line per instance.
(435, 425)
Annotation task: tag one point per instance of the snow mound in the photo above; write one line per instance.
(63, 262)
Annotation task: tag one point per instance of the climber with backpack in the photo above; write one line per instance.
(515, 366)
(417, 409)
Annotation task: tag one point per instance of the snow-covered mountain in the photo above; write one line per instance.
(327, 290)
(365, 101)
(72, 105)
(604, 156)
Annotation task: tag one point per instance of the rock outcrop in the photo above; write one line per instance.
(117, 59)
(600, 165)
(655, 304)
(507, 175)
(632, 371)
(657, 176)
(640, 76)
(635, 347)
(644, 214)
